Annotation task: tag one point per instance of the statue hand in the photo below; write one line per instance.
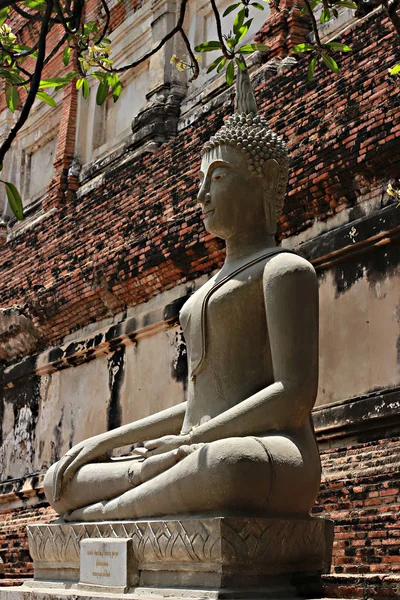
(165, 444)
(83, 453)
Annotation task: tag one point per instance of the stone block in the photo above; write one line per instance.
(107, 563)
(218, 556)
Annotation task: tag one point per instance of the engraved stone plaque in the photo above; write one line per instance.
(106, 562)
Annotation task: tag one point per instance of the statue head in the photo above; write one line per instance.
(254, 156)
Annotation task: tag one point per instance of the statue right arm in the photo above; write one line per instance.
(168, 421)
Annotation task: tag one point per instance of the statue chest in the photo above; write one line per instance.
(225, 326)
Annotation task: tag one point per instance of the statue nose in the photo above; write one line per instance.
(204, 196)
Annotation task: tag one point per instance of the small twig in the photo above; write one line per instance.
(195, 64)
(165, 39)
(25, 72)
(76, 14)
(63, 20)
(31, 16)
(391, 7)
(313, 23)
(107, 23)
(25, 14)
(34, 84)
(56, 48)
(224, 49)
(16, 55)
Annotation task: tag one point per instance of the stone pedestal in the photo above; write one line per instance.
(217, 557)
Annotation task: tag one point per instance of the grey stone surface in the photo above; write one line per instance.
(49, 593)
(220, 553)
(107, 564)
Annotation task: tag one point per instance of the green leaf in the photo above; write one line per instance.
(58, 82)
(66, 55)
(208, 46)
(79, 83)
(230, 73)
(230, 9)
(13, 77)
(4, 12)
(395, 70)
(337, 46)
(85, 89)
(11, 97)
(14, 200)
(215, 64)
(240, 63)
(330, 63)
(325, 15)
(257, 5)
(100, 75)
(243, 31)
(221, 65)
(102, 93)
(311, 68)
(46, 98)
(302, 48)
(238, 22)
(116, 91)
(250, 48)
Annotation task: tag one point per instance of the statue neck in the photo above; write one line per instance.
(247, 243)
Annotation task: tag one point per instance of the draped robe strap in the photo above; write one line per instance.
(198, 366)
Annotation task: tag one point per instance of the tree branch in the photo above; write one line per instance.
(63, 20)
(34, 85)
(17, 55)
(31, 16)
(313, 23)
(107, 23)
(174, 31)
(224, 49)
(391, 7)
(193, 59)
(56, 48)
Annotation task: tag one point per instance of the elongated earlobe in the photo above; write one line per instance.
(270, 173)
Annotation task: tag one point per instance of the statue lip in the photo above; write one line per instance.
(209, 212)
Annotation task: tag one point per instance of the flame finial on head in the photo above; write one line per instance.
(245, 101)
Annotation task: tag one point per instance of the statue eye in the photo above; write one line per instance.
(218, 176)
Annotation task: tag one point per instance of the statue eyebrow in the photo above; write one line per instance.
(219, 163)
(214, 165)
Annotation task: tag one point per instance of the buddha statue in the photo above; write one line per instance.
(243, 442)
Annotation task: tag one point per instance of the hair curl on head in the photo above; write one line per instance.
(250, 133)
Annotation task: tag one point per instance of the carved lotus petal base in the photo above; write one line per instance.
(229, 557)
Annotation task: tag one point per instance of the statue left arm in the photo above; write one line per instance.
(291, 303)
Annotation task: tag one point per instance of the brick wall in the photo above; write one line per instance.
(361, 493)
(342, 134)
(13, 539)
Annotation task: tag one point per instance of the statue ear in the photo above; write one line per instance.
(270, 172)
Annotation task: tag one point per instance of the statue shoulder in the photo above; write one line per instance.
(288, 268)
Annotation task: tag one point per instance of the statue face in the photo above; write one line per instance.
(231, 198)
